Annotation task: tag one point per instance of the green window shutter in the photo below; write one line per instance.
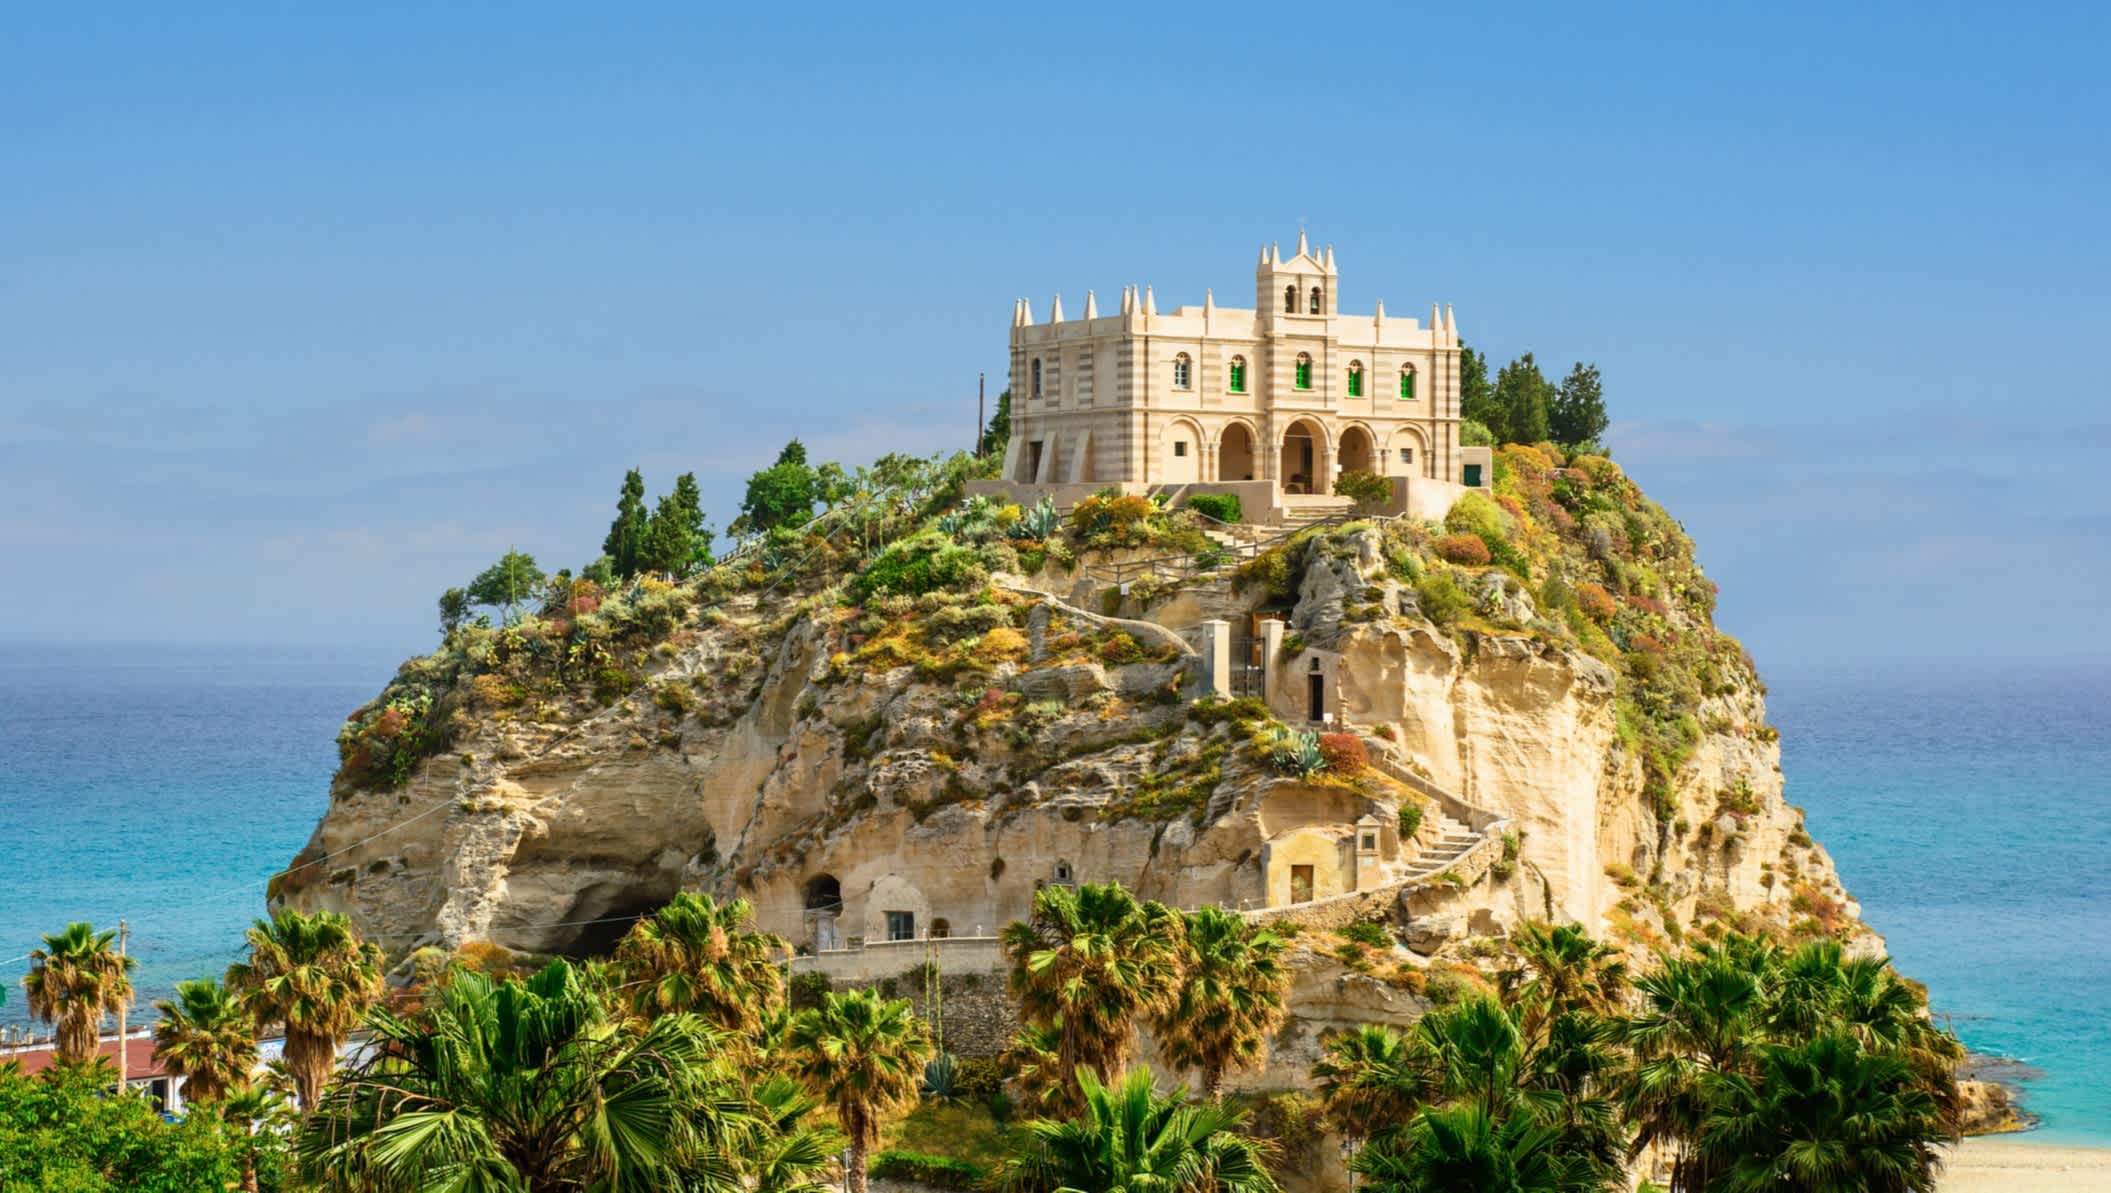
(1407, 386)
(1304, 375)
(1355, 383)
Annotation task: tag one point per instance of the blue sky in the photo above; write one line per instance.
(306, 314)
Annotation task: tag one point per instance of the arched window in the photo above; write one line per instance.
(1316, 304)
(1304, 371)
(1407, 383)
(1290, 299)
(940, 929)
(1238, 374)
(1037, 377)
(1355, 378)
(1181, 374)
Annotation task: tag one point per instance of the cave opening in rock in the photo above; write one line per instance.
(823, 893)
(598, 924)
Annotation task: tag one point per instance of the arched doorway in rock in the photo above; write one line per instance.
(822, 898)
(1358, 454)
(1304, 459)
(1235, 454)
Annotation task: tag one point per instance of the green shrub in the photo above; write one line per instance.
(1224, 507)
(1442, 601)
(1475, 434)
(942, 1172)
(928, 562)
(1446, 987)
(808, 990)
(1410, 820)
(1476, 515)
(1367, 488)
(1367, 933)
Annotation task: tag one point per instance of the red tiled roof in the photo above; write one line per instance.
(139, 1058)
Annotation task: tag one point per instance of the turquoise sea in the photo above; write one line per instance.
(1968, 810)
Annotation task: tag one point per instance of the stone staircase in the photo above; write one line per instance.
(1299, 512)
(1455, 841)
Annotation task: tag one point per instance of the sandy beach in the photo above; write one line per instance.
(2014, 1164)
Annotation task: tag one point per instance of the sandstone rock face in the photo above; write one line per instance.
(849, 802)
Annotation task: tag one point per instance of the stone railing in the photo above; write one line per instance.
(891, 958)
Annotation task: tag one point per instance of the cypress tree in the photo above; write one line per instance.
(626, 535)
(1577, 415)
(1521, 391)
(1476, 396)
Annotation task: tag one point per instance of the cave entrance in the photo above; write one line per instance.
(822, 899)
(597, 934)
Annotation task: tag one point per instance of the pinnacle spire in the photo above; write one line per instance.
(1330, 258)
(1380, 316)
(1091, 307)
(1451, 323)
(1150, 306)
(1055, 308)
(1026, 312)
(1302, 251)
(1209, 300)
(1275, 254)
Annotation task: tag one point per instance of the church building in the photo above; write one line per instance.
(1273, 402)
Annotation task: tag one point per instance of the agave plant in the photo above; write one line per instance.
(1297, 753)
(941, 1078)
(1039, 522)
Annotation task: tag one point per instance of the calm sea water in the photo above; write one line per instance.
(1969, 811)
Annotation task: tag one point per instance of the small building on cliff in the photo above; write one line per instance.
(1272, 402)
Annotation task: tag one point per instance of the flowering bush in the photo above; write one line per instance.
(1596, 603)
(1344, 754)
(1462, 549)
(1110, 519)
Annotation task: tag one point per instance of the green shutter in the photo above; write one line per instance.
(1407, 386)
(1355, 383)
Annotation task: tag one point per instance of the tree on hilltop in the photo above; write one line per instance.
(505, 584)
(782, 494)
(1476, 395)
(1577, 415)
(626, 535)
(998, 432)
(1522, 395)
(676, 541)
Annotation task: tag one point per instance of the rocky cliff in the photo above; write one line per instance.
(929, 731)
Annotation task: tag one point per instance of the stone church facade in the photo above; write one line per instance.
(1275, 401)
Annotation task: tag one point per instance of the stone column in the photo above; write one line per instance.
(1271, 649)
(1216, 656)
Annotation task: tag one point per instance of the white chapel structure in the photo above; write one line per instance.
(1272, 402)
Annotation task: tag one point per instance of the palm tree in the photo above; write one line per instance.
(792, 1155)
(1464, 1147)
(258, 1110)
(1129, 1138)
(1230, 1001)
(314, 975)
(1371, 1081)
(206, 1037)
(529, 1085)
(1565, 970)
(75, 980)
(1089, 964)
(702, 956)
(1823, 1116)
(1698, 1018)
(865, 1055)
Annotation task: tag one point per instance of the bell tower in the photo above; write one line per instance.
(1301, 288)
